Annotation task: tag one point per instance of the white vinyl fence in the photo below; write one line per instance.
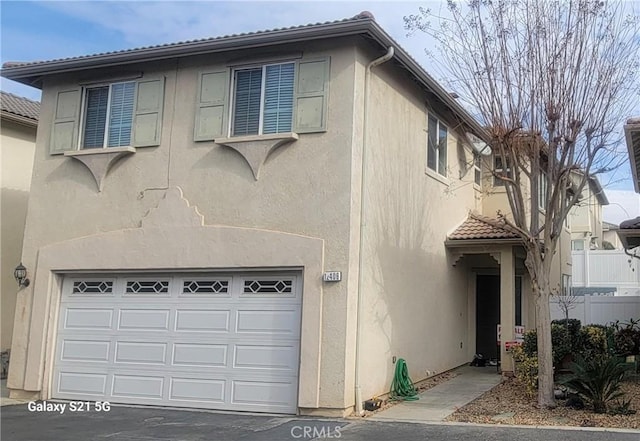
(599, 309)
(606, 268)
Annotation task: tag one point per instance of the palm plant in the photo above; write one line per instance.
(597, 380)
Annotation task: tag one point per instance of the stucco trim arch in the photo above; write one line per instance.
(171, 247)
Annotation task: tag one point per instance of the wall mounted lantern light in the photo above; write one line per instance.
(20, 273)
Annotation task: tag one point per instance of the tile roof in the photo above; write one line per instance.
(361, 16)
(479, 227)
(631, 224)
(19, 106)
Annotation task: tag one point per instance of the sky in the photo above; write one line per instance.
(46, 30)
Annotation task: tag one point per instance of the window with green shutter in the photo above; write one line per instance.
(263, 100)
(108, 115)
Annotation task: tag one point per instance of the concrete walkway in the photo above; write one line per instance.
(439, 402)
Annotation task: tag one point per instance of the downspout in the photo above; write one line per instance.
(363, 180)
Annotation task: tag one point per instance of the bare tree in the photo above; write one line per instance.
(551, 81)
(566, 302)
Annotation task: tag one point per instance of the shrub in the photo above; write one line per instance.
(526, 370)
(530, 343)
(597, 380)
(595, 342)
(560, 343)
(626, 338)
(572, 325)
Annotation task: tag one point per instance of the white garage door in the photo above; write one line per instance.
(218, 341)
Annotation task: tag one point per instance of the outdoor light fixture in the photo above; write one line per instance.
(20, 273)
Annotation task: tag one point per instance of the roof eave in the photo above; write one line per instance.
(18, 119)
(458, 243)
(626, 234)
(598, 190)
(32, 74)
(634, 153)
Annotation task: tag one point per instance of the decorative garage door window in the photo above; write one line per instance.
(205, 286)
(147, 286)
(259, 286)
(227, 341)
(93, 287)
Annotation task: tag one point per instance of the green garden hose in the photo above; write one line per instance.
(402, 386)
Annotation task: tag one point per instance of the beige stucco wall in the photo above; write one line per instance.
(415, 302)
(304, 189)
(586, 219)
(17, 144)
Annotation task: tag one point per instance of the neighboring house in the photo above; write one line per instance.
(258, 222)
(585, 218)
(597, 266)
(18, 124)
(610, 238)
(629, 231)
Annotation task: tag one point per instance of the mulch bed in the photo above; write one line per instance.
(510, 397)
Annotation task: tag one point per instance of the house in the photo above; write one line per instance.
(629, 231)
(260, 222)
(585, 218)
(610, 239)
(598, 268)
(18, 124)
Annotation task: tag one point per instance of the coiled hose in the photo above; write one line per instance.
(402, 386)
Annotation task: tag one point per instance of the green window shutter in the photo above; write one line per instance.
(311, 95)
(64, 133)
(212, 100)
(147, 121)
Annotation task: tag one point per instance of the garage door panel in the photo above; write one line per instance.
(189, 354)
(197, 389)
(141, 352)
(262, 393)
(85, 350)
(87, 318)
(185, 341)
(144, 319)
(198, 320)
(81, 383)
(137, 386)
(265, 357)
(267, 322)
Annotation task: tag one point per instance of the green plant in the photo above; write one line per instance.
(597, 380)
(622, 408)
(530, 343)
(560, 343)
(595, 341)
(526, 370)
(626, 339)
(572, 325)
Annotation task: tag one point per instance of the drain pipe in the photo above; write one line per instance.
(367, 79)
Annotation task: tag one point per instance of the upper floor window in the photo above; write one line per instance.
(437, 146)
(117, 114)
(255, 100)
(108, 115)
(543, 190)
(500, 168)
(263, 100)
(477, 169)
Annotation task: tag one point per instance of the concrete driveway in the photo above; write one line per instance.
(147, 424)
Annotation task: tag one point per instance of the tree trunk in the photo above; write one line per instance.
(546, 397)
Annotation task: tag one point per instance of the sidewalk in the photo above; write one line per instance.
(439, 402)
